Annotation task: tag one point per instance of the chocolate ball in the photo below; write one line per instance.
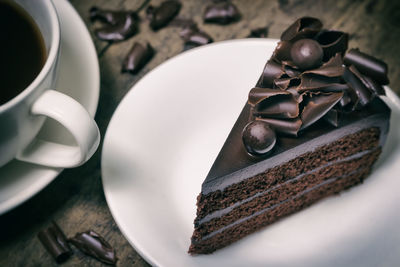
(306, 54)
(258, 138)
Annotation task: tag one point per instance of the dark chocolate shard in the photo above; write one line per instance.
(137, 57)
(273, 103)
(259, 32)
(316, 106)
(55, 242)
(373, 85)
(291, 72)
(305, 27)
(363, 94)
(119, 25)
(258, 138)
(193, 36)
(92, 244)
(368, 65)
(332, 42)
(272, 70)
(286, 127)
(221, 12)
(160, 16)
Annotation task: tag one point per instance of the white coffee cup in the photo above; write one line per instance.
(22, 117)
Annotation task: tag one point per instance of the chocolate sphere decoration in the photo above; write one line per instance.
(258, 137)
(306, 54)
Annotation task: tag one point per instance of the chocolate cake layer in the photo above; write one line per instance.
(346, 146)
(283, 191)
(248, 225)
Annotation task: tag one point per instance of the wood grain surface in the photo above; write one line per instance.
(75, 200)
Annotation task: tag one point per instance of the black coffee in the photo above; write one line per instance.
(22, 50)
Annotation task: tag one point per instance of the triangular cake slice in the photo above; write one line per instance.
(312, 127)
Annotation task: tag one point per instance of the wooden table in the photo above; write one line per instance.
(75, 200)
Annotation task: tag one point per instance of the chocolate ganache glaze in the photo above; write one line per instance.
(311, 77)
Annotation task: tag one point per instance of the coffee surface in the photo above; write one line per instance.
(22, 50)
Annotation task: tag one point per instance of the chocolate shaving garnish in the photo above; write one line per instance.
(195, 37)
(257, 95)
(364, 95)
(160, 16)
(55, 242)
(285, 83)
(317, 106)
(92, 244)
(259, 32)
(306, 80)
(332, 42)
(305, 27)
(221, 12)
(282, 51)
(333, 68)
(137, 57)
(120, 25)
(368, 65)
(272, 70)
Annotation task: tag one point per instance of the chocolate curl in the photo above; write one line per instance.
(285, 83)
(160, 16)
(120, 25)
(291, 72)
(55, 242)
(92, 244)
(223, 12)
(272, 70)
(137, 57)
(361, 94)
(286, 127)
(316, 106)
(273, 103)
(367, 65)
(305, 27)
(282, 51)
(332, 42)
(257, 95)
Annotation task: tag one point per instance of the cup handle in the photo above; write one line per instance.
(69, 113)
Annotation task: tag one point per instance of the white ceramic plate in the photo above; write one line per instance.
(165, 135)
(79, 78)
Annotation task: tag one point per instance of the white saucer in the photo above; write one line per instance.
(79, 78)
(164, 137)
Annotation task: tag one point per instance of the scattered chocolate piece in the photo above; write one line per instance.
(137, 57)
(55, 242)
(221, 12)
(119, 25)
(194, 37)
(306, 54)
(92, 244)
(160, 16)
(367, 65)
(259, 32)
(258, 138)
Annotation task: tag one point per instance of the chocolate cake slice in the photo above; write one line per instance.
(312, 127)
